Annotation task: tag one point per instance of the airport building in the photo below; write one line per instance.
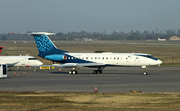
(174, 38)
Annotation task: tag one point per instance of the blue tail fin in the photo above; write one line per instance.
(45, 46)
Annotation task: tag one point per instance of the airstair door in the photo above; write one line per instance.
(3, 71)
(23, 62)
(137, 60)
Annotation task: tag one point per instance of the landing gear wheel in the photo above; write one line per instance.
(97, 72)
(70, 72)
(100, 71)
(73, 72)
(145, 73)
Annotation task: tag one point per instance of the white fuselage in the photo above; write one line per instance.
(119, 59)
(19, 61)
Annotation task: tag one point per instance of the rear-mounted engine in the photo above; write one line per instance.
(56, 57)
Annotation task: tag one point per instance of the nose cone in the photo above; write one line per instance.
(39, 63)
(159, 62)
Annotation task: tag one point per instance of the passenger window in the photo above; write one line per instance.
(95, 57)
(32, 59)
(98, 57)
(106, 57)
(103, 58)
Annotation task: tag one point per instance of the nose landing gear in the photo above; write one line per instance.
(145, 72)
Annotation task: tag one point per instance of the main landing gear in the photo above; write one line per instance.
(99, 71)
(73, 71)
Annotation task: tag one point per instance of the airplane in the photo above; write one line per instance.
(49, 51)
(18, 61)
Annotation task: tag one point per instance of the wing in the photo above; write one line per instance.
(11, 64)
(71, 65)
(74, 65)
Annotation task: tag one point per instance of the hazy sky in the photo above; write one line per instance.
(89, 15)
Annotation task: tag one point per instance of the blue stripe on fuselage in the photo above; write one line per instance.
(74, 60)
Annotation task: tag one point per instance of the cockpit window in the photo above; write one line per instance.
(32, 59)
(149, 56)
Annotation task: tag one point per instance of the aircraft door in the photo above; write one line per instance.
(128, 58)
(3, 71)
(23, 62)
(137, 60)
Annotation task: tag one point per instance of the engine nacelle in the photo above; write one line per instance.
(59, 57)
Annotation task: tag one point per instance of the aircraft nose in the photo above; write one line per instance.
(39, 63)
(159, 61)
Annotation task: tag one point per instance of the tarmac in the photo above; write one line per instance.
(113, 79)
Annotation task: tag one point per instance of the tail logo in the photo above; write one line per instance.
(43, 43)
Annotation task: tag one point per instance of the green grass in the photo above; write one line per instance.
(38, 101)
(169, 54)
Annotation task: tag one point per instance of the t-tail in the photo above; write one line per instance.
(45, 45)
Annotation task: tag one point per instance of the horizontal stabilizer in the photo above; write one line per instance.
(34, 33)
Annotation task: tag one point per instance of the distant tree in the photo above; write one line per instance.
(122, 33)
(179, 32)
(170, 32)
(83, 33)
(153, 32)
(131, 32)
(114, 33)
(146, 32)
(28, 32)
(129, 37)
(3, 37)
(60, 34)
